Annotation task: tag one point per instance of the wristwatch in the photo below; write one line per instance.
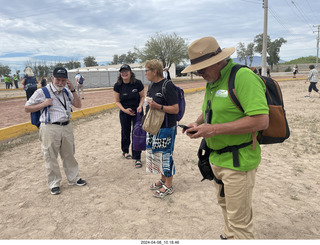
(161, 108)
(72, 91)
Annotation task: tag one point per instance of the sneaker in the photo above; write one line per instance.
(55, 190)
(307, 96)
(80, 182)
(223, 238)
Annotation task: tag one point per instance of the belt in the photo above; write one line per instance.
(61, 123)
(235, 152)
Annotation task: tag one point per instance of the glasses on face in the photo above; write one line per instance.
(124, 71)
(201, 72)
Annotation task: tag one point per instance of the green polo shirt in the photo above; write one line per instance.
(250, 90)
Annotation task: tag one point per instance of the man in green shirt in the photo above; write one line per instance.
(228, 126)
(7, 80)
(16, 82)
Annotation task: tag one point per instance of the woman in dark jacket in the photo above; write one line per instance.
(29, 82)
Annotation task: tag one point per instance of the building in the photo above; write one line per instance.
(106, 76)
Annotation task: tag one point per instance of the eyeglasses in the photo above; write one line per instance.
(124, 71)
(147, 70)
(201, 72)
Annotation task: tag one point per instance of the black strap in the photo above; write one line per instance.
(219, 182)
(231, 86)
(235, 152)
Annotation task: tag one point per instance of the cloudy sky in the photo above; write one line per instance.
(61, 30)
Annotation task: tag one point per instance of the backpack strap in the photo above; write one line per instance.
(234, 98)
(46, 109)
(164, 89)
(149, 87)
(231, 86)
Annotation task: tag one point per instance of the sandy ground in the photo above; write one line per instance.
(117, 203)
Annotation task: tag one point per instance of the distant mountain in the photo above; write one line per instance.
(257, 61)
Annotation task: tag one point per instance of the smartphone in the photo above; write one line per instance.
(185, 128)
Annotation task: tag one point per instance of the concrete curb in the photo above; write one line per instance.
(25, 128)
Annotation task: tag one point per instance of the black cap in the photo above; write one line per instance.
(60, 72)
(126, 67)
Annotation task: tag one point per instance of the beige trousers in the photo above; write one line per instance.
(237, 204)
(56, 139)
(80, 87)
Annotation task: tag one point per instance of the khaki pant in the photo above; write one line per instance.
(56, 139)
(237, 204)
(80, 87)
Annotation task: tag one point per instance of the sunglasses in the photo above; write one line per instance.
(201, 72)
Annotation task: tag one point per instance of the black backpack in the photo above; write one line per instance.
(181, 99)
(278, 130)
(81, 80)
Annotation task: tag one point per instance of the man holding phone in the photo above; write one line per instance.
(235, 154)
(56, 132)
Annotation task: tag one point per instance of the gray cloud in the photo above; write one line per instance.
(102, 28)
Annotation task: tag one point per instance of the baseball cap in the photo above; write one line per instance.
(126, 67)
(60, 72)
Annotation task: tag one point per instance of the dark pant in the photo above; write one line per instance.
(313, 86)
(30, 91)
(127, 122)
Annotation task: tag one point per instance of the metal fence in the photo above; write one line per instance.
(102, 79)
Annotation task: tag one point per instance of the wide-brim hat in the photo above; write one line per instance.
(205, 52)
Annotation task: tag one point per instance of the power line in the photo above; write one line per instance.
(302, 14)
(317, 42)
(311, 10)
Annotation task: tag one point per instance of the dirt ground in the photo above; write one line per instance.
(117, 203)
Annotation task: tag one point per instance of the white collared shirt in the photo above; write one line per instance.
(61, 104)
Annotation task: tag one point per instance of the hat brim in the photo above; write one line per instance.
(211, 61)
(61, 76)
(124, 69)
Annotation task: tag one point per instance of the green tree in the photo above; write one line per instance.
(168, 48)
(128, 58)
(4, 70)
(43, 70)
(273, 48)
(90, 61)
(115, 60)
(241, 53)
(72, 64)
(131, 57)
(250, 52)
(245, 53)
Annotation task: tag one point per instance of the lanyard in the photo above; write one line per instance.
(65, 103)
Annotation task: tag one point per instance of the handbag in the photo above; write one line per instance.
(204, 163)
(153, 121)
(138, 135)
(205, 166)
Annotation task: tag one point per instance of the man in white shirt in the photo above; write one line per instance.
(56, 133)
(79, 84)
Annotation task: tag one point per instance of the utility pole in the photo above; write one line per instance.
(317, 44)
(264, 43)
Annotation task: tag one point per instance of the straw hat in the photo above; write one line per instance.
(205, 52)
